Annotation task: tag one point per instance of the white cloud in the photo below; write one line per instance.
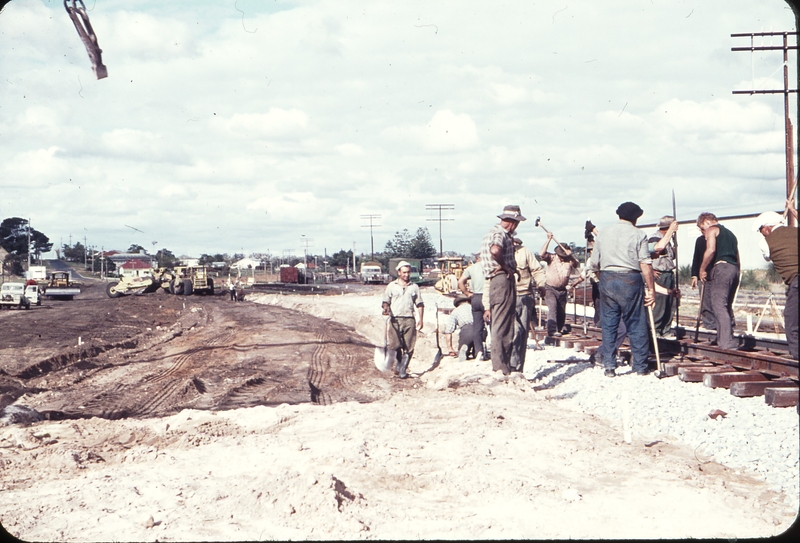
(276, 123)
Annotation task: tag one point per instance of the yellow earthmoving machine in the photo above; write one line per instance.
(61, 286)
(192, 280)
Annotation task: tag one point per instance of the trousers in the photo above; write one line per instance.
(525, 313)
(622, 299)
(719, 290)
(503, 296)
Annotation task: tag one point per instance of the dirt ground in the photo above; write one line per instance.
(197, 418)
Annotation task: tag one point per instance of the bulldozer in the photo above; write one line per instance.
(61, 286)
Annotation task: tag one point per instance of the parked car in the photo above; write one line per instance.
(13, 295)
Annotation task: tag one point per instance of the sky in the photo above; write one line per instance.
(249, 126)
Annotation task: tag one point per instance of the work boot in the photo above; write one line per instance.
(462, 353)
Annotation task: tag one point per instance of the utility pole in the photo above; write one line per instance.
(791, 187)
(29, 243)
(305, 241)
(371, 239)
(440, 207)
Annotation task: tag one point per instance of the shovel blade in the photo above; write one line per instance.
(383, 359)
(436, 360)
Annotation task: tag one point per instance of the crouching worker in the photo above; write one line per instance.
(401, 302)
(461, 319)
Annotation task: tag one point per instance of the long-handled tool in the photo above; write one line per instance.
(679, 332)
(699, 312)
(438, 357)
(658, 373)
(539, 223)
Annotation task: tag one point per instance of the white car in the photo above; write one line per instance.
(13, 295)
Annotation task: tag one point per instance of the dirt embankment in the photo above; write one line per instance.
(155, 354)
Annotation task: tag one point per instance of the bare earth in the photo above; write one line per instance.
(202, 419)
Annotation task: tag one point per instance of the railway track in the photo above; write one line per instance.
(760, 367)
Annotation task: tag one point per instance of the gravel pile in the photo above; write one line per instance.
(751, 437)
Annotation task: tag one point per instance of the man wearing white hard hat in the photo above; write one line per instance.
(782, 252)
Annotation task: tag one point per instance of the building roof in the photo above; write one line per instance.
(135, 264)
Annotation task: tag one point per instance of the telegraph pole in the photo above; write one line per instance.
(440, 207)
(791, 187)
(370, 218)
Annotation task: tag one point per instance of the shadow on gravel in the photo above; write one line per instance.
(558, 378)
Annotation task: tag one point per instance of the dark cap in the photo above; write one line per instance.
(629, 211)
(560, 251)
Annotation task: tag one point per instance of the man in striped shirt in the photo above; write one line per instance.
(499, 268)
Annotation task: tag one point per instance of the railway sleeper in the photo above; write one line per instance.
(696, 374)
(725, 380)
(744, 389)
(782, 397)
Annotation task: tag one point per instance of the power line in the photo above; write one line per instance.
(789, 132)
(371, 239)
(440, 207)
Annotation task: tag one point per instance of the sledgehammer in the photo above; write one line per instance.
(539, 223)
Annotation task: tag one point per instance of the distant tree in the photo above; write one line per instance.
(420, 245)
(76, 253)
(207, 260)
(14, 238)
(166, 259)
(13, 264)
(400, 245)
(341, 259)
(136, 249)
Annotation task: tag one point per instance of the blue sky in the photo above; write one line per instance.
(242, 126)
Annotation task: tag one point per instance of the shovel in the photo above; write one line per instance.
(659, 373)
(382, 358)
(438, 357)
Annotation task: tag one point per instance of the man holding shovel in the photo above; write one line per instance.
(401, 302)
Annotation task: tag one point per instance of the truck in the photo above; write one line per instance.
(13, 295)
(371, 272)
(36, 273)
(61, 286)
(416, 265)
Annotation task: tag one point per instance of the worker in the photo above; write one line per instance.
(722, 256)
(559, 268)
(662, 251)
(626, 286)
(461, 320)
(402, 301)
(782, 252)
(499, 268)
(471, 285)
(531, 275)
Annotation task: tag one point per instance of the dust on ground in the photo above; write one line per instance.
(197, 418)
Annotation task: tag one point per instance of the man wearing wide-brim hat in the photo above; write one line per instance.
(626, 286)
(499, 267)
(559, 269)
(662, 251)
(461, 320)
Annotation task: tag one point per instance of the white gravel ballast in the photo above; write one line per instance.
(752, 436)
